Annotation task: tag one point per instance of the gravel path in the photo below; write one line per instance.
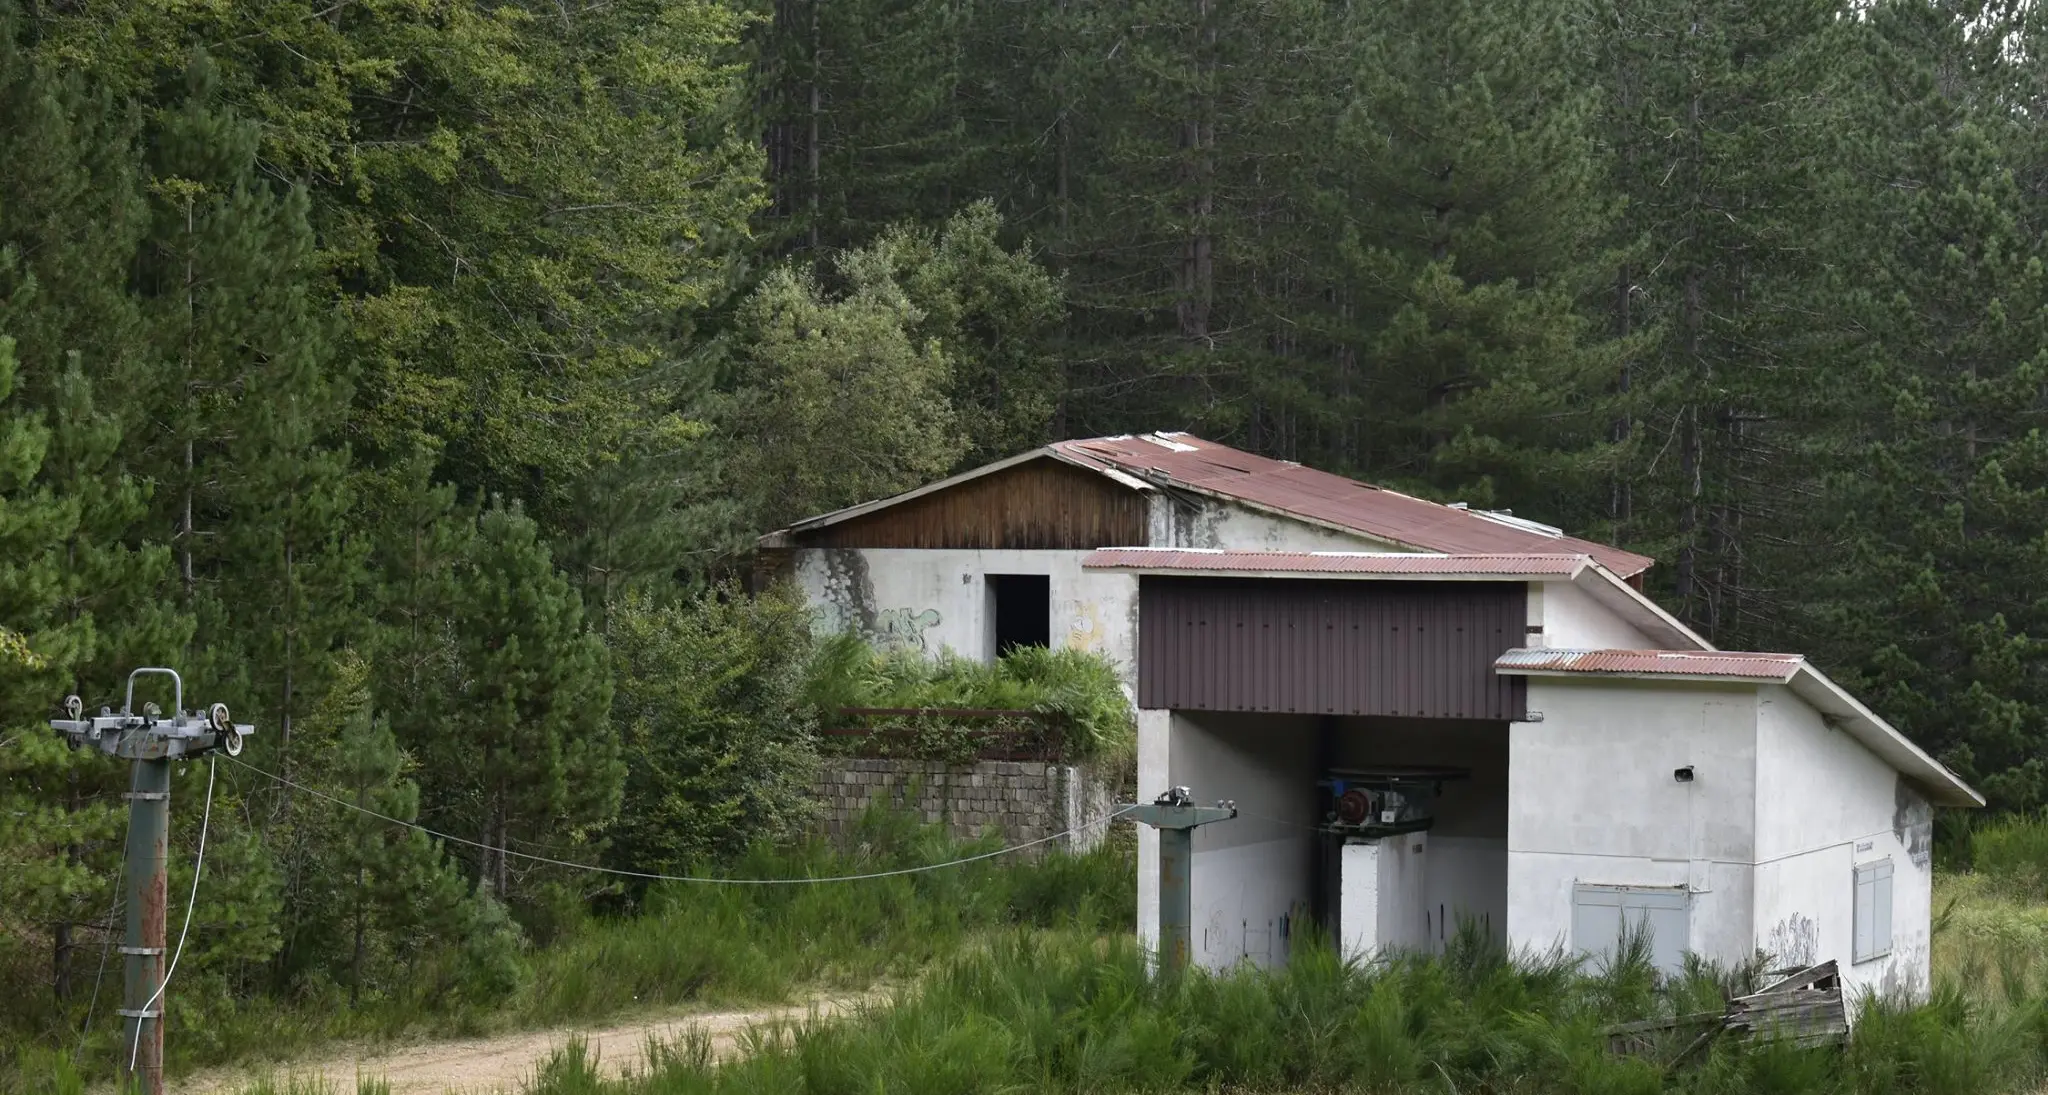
(503, 1063)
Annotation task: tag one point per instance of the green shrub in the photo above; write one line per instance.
(711, 713)
(1075, 692)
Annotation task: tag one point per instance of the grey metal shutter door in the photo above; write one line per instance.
(1873, 913)
(1598, 913)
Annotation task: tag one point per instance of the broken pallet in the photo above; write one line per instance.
(1803, 1006)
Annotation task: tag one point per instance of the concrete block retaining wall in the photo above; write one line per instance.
(1022, 800)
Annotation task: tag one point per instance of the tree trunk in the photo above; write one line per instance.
(1621, 500)
(816, 105)
(1198, 137)
(355, 961)
(504, 880)
(60, 961)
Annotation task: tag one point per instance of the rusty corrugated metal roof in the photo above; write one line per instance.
(1196, 560)
(1727, 664)
(1187, 461)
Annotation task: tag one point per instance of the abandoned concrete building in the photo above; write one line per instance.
(1429, 716)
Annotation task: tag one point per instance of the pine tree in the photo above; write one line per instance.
(384, 896)
(527, 752)
(1724, 119)
(255, 482)
(71, 212)
(1933, 513)
(38, 824)
(1470, 204)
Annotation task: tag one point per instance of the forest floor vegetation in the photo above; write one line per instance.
(683, 945)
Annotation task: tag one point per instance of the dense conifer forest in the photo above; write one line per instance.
(415, 374)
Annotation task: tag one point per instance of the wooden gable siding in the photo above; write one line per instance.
(1042, 504)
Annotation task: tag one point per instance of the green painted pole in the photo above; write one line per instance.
(1176, 817)
(149, 823)
(1176, 899)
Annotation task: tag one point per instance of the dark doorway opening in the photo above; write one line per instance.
(1022, 606)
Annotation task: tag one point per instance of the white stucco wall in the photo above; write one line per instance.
(1592, 799)
(1824, 806)
(1381, 899)
(936, 600)
(1213, 524)
(1572, 620)
(1155, 737)
(1251, 876)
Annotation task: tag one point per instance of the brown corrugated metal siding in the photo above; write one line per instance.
(1042, 504)
(1307, 646)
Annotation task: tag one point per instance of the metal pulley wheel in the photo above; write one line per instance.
(225, 734)
(1354, 806)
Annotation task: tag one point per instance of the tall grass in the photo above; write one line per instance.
(1991, 907)
(1067, 1012)
(693, 943)
(737, 943)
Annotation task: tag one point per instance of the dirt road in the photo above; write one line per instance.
(501, 1064)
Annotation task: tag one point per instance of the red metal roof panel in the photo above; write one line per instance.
(1398, 518)
(1334, 562)
(1730, 664)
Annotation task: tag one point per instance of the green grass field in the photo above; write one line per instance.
(1021, 976)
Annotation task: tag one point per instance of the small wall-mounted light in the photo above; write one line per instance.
(1682, 775)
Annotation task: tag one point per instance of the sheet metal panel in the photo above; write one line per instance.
(1330, 647)
(1735, 664)
(1203, 560)
(1319, 495)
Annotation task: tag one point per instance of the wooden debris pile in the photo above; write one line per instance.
(1804, 1006)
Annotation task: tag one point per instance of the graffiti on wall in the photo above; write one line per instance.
(1794, 941)
(904, 628)
(1084, 625)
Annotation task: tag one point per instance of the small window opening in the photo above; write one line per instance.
(1021, 606)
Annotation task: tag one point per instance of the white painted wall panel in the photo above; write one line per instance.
(1826, 805)
(1573, 620)
(1155, 737)
(1592, 799)
(1358, 901)
(937, 600)
(1238, 528)
(1251, 874)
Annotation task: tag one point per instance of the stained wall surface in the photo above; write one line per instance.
(1826, 805)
